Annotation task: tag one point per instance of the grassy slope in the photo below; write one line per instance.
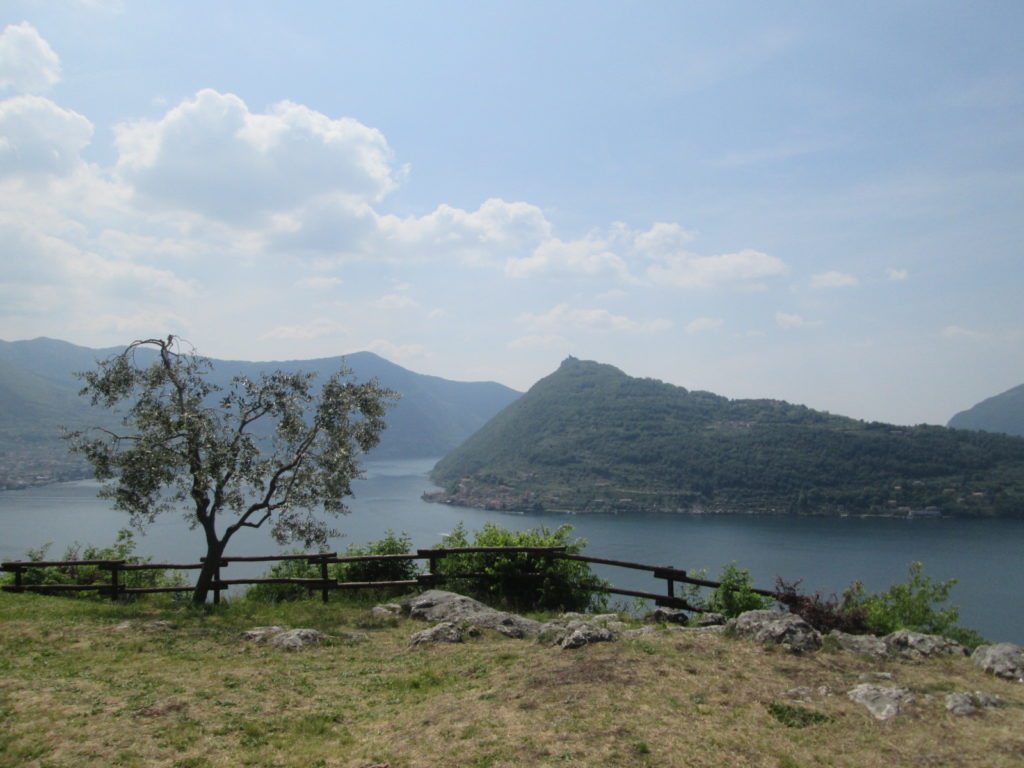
(76, 692)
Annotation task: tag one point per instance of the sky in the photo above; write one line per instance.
(818, 202)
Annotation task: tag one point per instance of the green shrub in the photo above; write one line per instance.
(522, 581)
(283, 593)
(87, 575)
(735, 595)
(914, 606)
(368, 570)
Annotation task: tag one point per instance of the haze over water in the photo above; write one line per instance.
(828, 554)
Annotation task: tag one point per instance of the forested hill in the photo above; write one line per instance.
(39, 394)
(1002, 413)
(589, 438)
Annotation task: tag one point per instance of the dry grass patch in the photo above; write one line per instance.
(75, 692)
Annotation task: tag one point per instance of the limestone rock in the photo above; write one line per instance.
(785, 629)
(667, 616)
(916, 645)
(445, 632)
(386, 610)
(580, 633)
(867, 645)
(883, 702)
(1002, 659)
(259, 634)
(962, 704)
(710, 619)
(440, 606)
(296, 638)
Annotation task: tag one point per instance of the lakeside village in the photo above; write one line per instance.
(20, 469)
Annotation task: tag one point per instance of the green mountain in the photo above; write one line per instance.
(39, 395)
(589, 438)
(1002, 413)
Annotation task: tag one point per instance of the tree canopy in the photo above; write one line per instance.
(272, 450)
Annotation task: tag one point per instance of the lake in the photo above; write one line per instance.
(828, 554)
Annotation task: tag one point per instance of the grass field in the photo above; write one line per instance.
(78, 688)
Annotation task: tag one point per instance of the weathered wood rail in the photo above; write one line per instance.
(116, 587)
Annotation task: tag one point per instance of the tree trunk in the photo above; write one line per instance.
(214, 552)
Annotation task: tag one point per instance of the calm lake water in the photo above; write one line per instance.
(828, 554)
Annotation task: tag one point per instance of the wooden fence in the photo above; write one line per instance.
(116, 588)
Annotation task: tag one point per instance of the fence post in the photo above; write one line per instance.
(216, 583)
(114, 570)
(671, 585)
(324, 589)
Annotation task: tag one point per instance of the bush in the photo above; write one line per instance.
(823, 614)
(379, 570)
(88, 575)
(735, 594)
(368, 570)
(914, 606)
(522, 581)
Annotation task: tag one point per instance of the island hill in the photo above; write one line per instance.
(590, 439)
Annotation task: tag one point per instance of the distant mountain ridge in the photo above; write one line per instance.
(589, 438)
(39, 394)
(1002, 413)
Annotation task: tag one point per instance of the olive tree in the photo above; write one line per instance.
(270, 451)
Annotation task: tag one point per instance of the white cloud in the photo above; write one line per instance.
(833, 279)
(319, 284)
(702, 324)
(394, 301)
(684, 270)
(394, 351)
(37, 136)
(785, 320)
(315, 329)
(589, 256)
(27, 62)
(592, 320)
(958, 333)
(896, 274)
(211, 155)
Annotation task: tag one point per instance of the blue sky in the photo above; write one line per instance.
(817, 202)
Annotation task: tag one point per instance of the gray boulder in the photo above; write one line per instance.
(439, 606)
(772, 627)
(259, 634)
(295, 639)
(710, 619)
(386, 610)
(445, 632)
(667, 616)
(576, 634)
(883, 702)
(866, 645)
(963, 704)
(916, 645)
(1002, 659)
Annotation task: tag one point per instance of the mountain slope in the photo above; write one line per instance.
(1002, 413)
(590, 438)
(39, 395)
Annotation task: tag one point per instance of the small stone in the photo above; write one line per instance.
(387, 610)
(580, 633)
(785, 629)
(866, 645)
(710, 619)
(445, 632)
(259, 634)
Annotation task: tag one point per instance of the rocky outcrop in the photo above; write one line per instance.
(280, 637)
(456, 615)
(1002, 659)
(916, 645)
(882, 701)
(963, 704)
(866, 645)
(772, 627)
(438, 605)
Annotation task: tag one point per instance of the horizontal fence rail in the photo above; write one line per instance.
(116, 588)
